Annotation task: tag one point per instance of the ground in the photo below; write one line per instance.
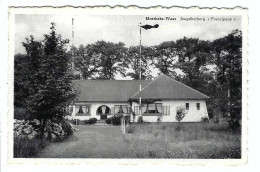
(190, 140)
(90, 142)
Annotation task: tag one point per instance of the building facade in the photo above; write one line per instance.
(160, 99)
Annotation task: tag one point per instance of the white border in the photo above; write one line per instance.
(128, 11)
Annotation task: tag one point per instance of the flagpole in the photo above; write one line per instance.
(140, 72)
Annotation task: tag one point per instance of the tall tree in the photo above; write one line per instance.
(228, 52)
(21, 92)
(49, 77)
(165, 57)
(133, 62)
(87, 62)
(193, 54)
(111, 57)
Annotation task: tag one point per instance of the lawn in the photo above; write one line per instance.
(192, 140)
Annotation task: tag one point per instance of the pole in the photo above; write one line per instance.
(140, 72)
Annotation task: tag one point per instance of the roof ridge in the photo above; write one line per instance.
(146, 86)
(187, 86)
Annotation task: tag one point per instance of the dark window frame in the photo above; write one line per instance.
(198, 106)
(187, 105)
(88, 109)
(151, 111)
(121, 107)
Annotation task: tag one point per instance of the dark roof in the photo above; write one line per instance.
(108, 90)
(164, 87)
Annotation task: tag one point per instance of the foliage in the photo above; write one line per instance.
(140, 120)
(66, 127)
(205, 120)
(234, 124)
(25, 148)
(20, 114)
(133, 62)
(92, 120)
(180, 113)
(21, 92)
(116, 120)
(108, 120)
(48, 80)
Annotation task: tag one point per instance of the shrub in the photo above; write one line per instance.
(116, 120)
(108, 120)
(205, 120)
(92, 120)
(180, 113)
(24, 148)
(140, 120)
(67, 127)
(233, 124)
(21, 114)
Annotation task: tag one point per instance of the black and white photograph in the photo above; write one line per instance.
(135, 85)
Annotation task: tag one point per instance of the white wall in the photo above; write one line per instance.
(193, 114)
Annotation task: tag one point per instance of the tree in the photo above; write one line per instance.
(111, 57)
(133, 62)
(86, 61)
(49, 78)
(165, 57)
(228, 52)
(193, 54)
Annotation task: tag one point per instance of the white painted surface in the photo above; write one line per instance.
(193, 115)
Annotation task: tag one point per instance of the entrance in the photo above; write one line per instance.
(103, 111)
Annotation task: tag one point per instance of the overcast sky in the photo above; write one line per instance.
(89, 29)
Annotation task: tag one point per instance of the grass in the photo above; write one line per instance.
(90, 142)
(193, 140)
(25, 148)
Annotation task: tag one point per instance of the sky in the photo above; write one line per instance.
(119, 28)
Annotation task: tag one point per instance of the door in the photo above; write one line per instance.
(103, 116)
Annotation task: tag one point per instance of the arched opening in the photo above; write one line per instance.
(103, 111)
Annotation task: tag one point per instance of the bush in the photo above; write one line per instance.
(180, 113)
(108, 120)
(67, 127)
(233, 124)
(205, 120)
(116, 120)
(24, 148)
(140, 120)
(92, 120)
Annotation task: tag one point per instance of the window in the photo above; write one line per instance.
(121, 109)
(82, 110)
(187, 106)
(198, 106)
(103, 110)
(152, 108)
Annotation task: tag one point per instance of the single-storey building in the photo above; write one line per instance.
(160, 97)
